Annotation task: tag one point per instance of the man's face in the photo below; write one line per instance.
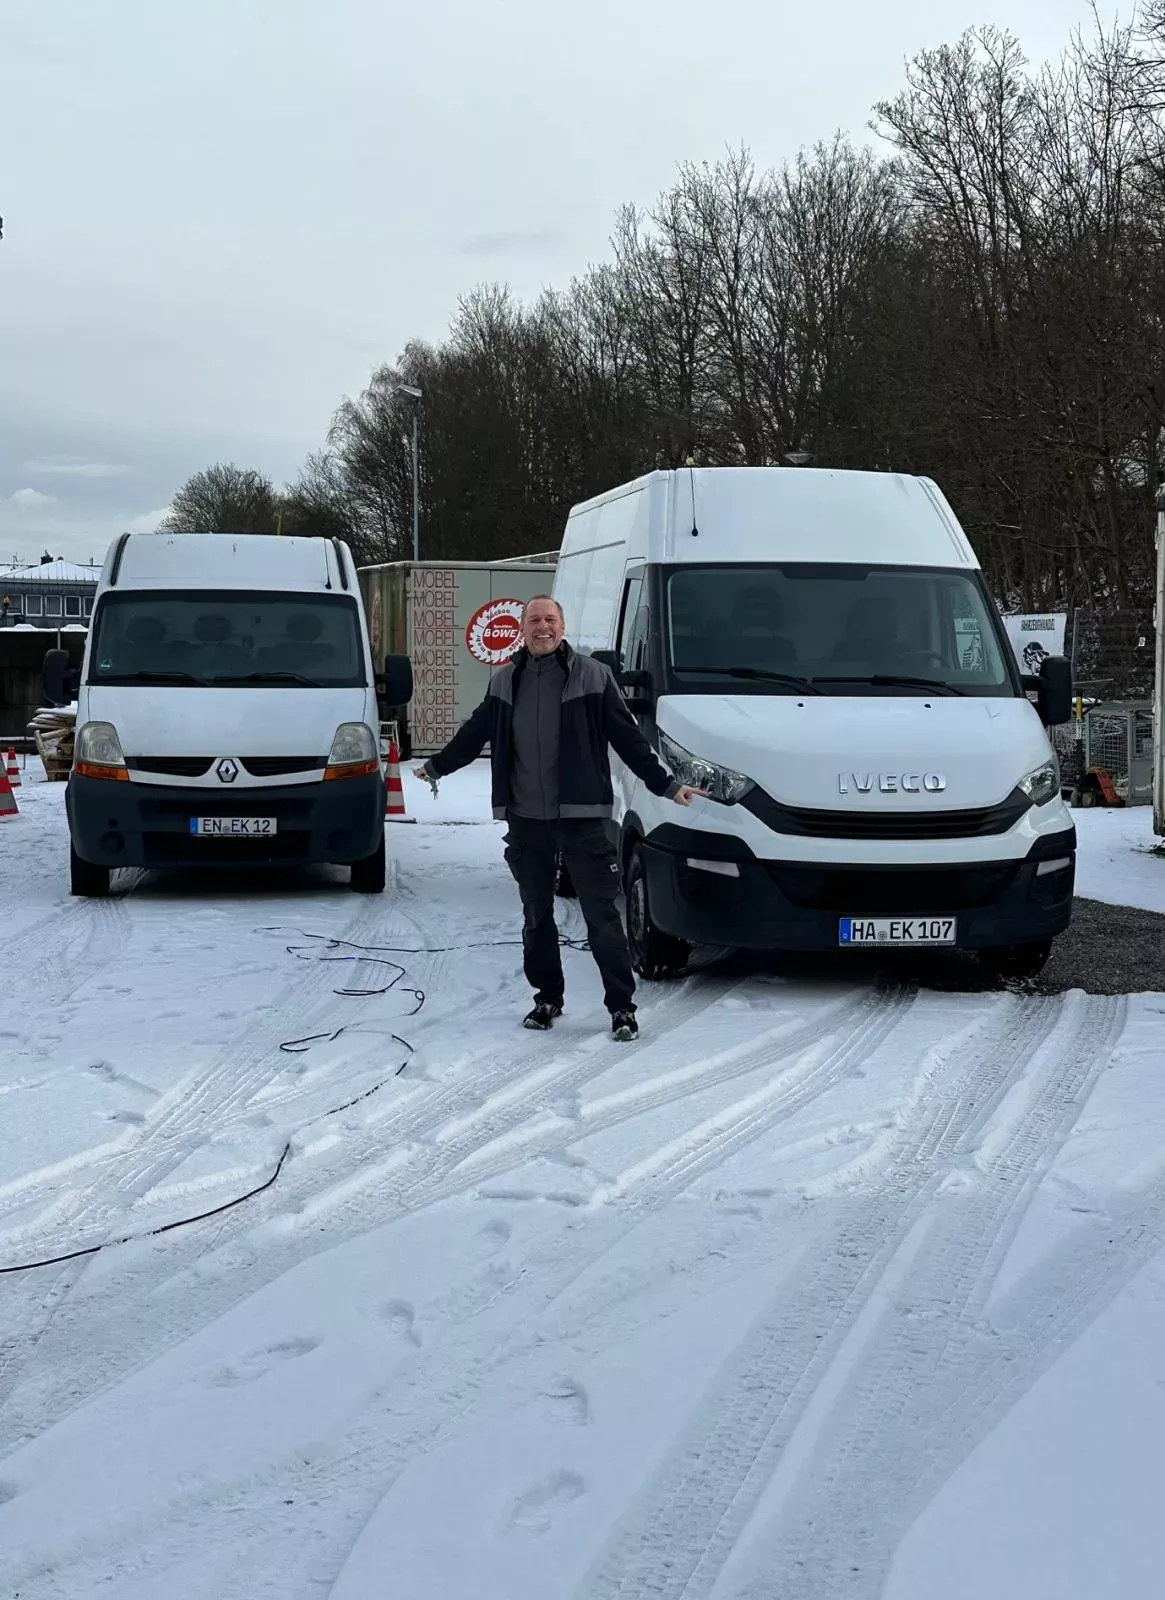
(541, 628)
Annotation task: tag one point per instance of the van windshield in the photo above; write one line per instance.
(196, 638)
(845, 630)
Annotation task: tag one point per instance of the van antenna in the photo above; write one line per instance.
(327, 567)
(692, 476)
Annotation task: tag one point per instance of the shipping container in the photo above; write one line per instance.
(458, 623)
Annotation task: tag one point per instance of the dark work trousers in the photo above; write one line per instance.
(531, 855)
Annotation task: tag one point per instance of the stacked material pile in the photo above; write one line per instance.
(53, 728)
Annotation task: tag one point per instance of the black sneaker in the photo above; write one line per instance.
(624, 1026)
(543, 1015)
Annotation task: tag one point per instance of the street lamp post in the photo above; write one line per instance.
(414, 394)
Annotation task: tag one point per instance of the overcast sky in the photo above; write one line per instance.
(220, 215)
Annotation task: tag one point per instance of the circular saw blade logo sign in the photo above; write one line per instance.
(493, 631)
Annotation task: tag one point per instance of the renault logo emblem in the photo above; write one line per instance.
(227, 770)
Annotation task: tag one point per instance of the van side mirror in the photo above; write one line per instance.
(609, 658)
(398, 680)
(636, 687)
(1054, 691)
(61, 678)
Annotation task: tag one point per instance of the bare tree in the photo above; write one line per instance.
(224, 499)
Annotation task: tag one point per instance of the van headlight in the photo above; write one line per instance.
(1043, 784)
(97, 753)
(353, 753)
(722, 783)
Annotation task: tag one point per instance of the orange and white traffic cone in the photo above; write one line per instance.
(394, 794)
(8, 806)
(13, 769)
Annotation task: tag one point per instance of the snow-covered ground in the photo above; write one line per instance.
(822, 1289)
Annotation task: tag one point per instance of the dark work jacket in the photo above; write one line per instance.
(594, 715)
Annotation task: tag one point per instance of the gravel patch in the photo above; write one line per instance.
(1107, 950)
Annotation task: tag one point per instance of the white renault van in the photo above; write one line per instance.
(226, 711)
(819, 651)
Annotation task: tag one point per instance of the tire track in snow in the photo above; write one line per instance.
(51, 960)
(862, 1024)
(414, 1122)
(183, 1120)
(905, 1414)
(521, 1085)
(359, 1473)
(677, 1539)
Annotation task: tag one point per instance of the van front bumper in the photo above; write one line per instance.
(798, 905)
(148, 825)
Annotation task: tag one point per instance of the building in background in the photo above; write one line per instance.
(52, 594)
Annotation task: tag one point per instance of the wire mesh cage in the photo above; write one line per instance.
(1118, 739)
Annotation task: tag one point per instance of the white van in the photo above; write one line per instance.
(819, 651)
(226, 711)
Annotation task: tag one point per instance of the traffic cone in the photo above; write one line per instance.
(394, 794)
(13, 769)
(8, 806)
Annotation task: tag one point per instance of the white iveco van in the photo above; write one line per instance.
(226, 711)
(819, 651)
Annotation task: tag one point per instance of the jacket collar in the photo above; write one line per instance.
(564, 655)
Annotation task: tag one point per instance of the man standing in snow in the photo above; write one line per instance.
(549, 715)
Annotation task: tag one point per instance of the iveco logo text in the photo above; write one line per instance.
(891, 782)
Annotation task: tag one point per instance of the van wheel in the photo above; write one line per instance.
(1017, 960)
(85, 878)
(368, 873)
(654, 954)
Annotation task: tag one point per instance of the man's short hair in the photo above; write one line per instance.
(553, 602)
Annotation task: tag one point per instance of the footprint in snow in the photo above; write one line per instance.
(494, 1235)
(259, 1362)
(401, 1319)
(567, 1403)
(535, 1511)
(135, 1118)
(8, 1491)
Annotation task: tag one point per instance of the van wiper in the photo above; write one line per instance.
(761, 675)
(267, 677)
(160, 675)
(892, 680)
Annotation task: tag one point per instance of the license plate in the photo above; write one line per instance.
(897, 930)
(234, 827)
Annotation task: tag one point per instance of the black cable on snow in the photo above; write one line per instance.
(364, 953)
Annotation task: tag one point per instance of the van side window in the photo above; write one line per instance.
(631, 592)
(636, 617)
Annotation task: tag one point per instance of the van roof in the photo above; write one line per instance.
(226, 561)
(790, 514)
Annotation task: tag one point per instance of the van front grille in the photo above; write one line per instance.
(170, 766)
(809, 822)
(281, 766)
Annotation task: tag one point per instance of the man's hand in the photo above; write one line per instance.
(425, 776)
(684, 795)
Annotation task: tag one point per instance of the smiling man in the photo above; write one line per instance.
(549, 716)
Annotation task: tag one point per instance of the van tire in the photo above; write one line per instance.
(1017, 960)
(655, 955)
(368, 874)
(87, 879)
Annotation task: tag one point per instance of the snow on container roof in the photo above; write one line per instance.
(225, 561)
